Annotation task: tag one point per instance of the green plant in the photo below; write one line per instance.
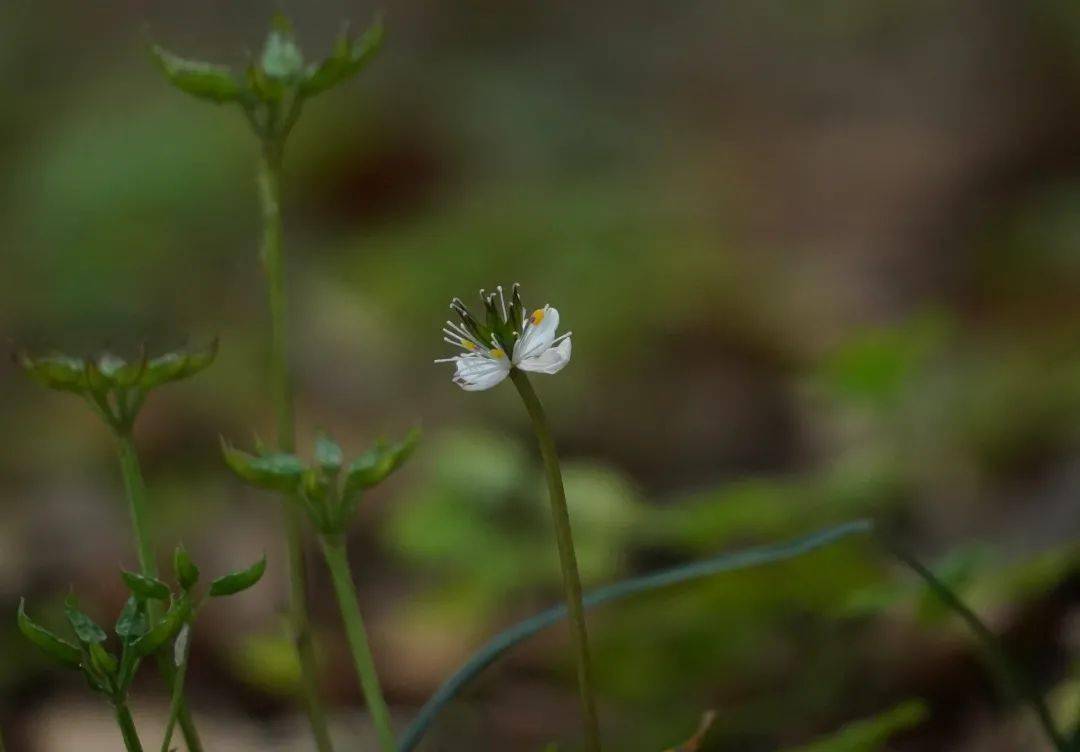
(271, 94)
(143, 629)
(116, 389)
(329, 495)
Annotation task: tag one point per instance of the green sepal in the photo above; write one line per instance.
(164, 631)
(278, 472)
(237, 582)
(187, 574)
(328, 453)
(203, 80)
(374, 465)
(347, 59)
(281, 59)
(146, 587)
(56, 648)
(177, 365)
(55, 371)
(86, 630)
(132, 623)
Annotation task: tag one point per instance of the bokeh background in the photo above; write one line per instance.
(821, 261)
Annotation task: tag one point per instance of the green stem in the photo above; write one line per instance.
(273, 265)
(504, 641)
(567, 557)
(1016, 683)
(135, 488)
(177, 702)
(337, 560)
(127, 729)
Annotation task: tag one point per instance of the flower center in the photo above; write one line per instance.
(467, 344)
(537, 317)
(497, 353)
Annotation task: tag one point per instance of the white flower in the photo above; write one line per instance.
(530, 340)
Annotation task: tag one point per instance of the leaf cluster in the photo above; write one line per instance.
(115, 387)
(328, 491)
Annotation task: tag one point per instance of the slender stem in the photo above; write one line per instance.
(1015, 681)
(504, 641)
(127, 729)
(567, 557)
(273, 265)
(135, 487)
(1, 742)
(337, 560)
(177, 702)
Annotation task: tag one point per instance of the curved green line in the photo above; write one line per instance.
(504, 641)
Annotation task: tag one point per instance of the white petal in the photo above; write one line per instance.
(475, 373)
(537, 338)
(550, 361)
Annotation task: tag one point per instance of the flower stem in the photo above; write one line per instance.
(135, 488)
(127, 729)
(273, 265)
(567, 556)
(337, 560)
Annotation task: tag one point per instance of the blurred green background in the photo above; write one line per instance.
(820, 260)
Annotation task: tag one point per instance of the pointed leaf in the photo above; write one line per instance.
(279, 472)
(103, 661)
(187, 574)
(347, 59)
(55, 371)
(56, 648)
(372, 467)
(146, 587)
(238, 581)
(132, 623)
(212, 82)
(176, 365)
(164, 631)
(85, 629)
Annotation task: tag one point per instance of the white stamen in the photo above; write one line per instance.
(502, 301)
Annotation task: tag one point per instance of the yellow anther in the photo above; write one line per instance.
(497, 353)
(537, 317)
(468, 345)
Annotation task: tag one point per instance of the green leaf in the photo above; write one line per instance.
(187, 574)
(132, 623)
(56, 648)
(177, 365)
(281, 58)
(278, 472)
(871, 734)
(85, 629)
(347, 59)
(55, 371)
(504, 641)
(164, 631)
(103, 661)
(203, 80)
(146, 587)
(372, 467)
(236, 582)
(328, 453)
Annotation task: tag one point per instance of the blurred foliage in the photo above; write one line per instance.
(871, 734)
